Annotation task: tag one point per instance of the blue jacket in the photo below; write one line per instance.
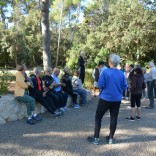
(112, 83)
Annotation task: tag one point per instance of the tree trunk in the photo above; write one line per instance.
(45, 34)
(77, 20)
(3, 17)
(59, 36)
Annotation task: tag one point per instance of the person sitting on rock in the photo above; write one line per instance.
(68, 88)
(21, 94)
(77, 87)
(58, 88)
(40, 95)
(49, 85)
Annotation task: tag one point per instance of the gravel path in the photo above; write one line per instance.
(67, 136)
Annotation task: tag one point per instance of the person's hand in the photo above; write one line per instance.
(79, 70)
(44, 94)
(45, 89)
(54, 84)
(28, 83)
(63, 84)
(50, 87)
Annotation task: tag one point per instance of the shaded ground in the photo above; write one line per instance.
(67, 136)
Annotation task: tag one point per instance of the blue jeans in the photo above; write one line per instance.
(83, 93)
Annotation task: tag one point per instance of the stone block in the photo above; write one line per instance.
(11, 109)
(2, 121)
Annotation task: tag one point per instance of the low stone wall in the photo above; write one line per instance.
(11, 109)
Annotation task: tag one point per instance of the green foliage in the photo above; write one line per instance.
(88, 79)
(5, 79)
(125, 27)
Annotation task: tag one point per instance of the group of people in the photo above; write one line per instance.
(113, 83)
(49, 90)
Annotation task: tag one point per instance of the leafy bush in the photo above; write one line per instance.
(5, 78)
(88, 84)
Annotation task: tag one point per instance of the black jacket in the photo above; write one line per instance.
(66, 78)
(48, 80)
(137, 84)
(34, 92)
(81, 63)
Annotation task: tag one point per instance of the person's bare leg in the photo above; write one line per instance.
(139, 111)
(132, 112)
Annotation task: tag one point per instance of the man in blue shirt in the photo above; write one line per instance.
(111, 83)
(58, 89)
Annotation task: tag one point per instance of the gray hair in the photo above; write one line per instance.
(114, 59)
(151, 64)
(82, 53)
(37, 70)
(48, 69)
(66, 69)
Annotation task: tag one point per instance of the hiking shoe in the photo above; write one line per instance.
(59, 112)
(62, 109)
(57, 115)
(30, 122)
(37, 118)
(109, 140)
(76, 106)
(130, 119)
(93, 140)
(138, 118)
(66, 108)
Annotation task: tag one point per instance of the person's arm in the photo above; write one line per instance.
(149, 74)
(124, 83)
(96, 74)
(102, 81)
(79, 65)
(75, 82)
(153, 73)
(21, 81)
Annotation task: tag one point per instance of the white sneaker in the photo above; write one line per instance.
(62, 109)
(129, 107)
(66, 108)
(76, 106)
(127, 98)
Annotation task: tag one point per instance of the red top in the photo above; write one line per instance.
(39, 84)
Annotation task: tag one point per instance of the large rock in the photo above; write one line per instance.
(11, 109)
(2, 121)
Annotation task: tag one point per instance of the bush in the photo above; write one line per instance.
(5, 78)
(88, 84)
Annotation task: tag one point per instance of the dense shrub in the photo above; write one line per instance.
(5, 79)
(88, 84)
